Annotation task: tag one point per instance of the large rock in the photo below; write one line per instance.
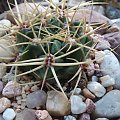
(36, 99)
(109, 105)
(57, 104)
(110, 66)
(11, 89)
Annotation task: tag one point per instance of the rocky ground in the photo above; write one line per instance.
(98, 99)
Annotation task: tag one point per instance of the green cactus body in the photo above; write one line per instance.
(54, 26)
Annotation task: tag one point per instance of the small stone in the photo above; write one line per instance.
(77, 105)
(107, 81)
(18, 110)
(110, 88)
(8, 77)
(28, 114)
(36, 99)
(27, 88)
(23, 100)
(99, 56)
(88, 94)
(90, 105)
(4, 103)
(112, 12)
(14, 105)
(57, 100)
(19, 102)
(43, 115)
(69, 117)
(84, 116)
(94, 79)
(4, 26)
(90, 69)
(102, 44)
(24, 96)
(18, 97)
(77, 91)
(96, 88)
(34, 88)
(11, 89)
(2, 70)
(9, 114)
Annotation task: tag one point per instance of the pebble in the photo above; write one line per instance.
(19, 102)
(107, 81)
(43, 115)
(90, 105)
(8, 77)
(4, 26)
(96, 88)
(5, 51)
(28, 114)
(109, 88)
(84, 116)
(57, 104)
(9, 114)
(11, 89)
(90, 69)
(109, 105)
(69, 117)
(94, 78)
(103, 45)
(77, 91)
(4, 103)
(24, 95)
(18, 97)
(27, 88)
(99, 56)
(34, 88)
(110, 66)
(77, 105)
(112, 12)
(36, 99)
(2, 70)
(88, 94)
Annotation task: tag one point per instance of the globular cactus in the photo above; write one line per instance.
(52, 44)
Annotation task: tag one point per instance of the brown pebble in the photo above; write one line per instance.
(34, 88)
(88, 94)
(109, 88)
(90, 106)
(18, 110)
(27, 88)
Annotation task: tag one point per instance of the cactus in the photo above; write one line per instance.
(52, 44)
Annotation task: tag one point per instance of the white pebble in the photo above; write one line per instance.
(96, 88)
(94, 78)
(77, 91)
(77, 105)
(99, 56)
(69, 117)
(9, 114)
(107, 81)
